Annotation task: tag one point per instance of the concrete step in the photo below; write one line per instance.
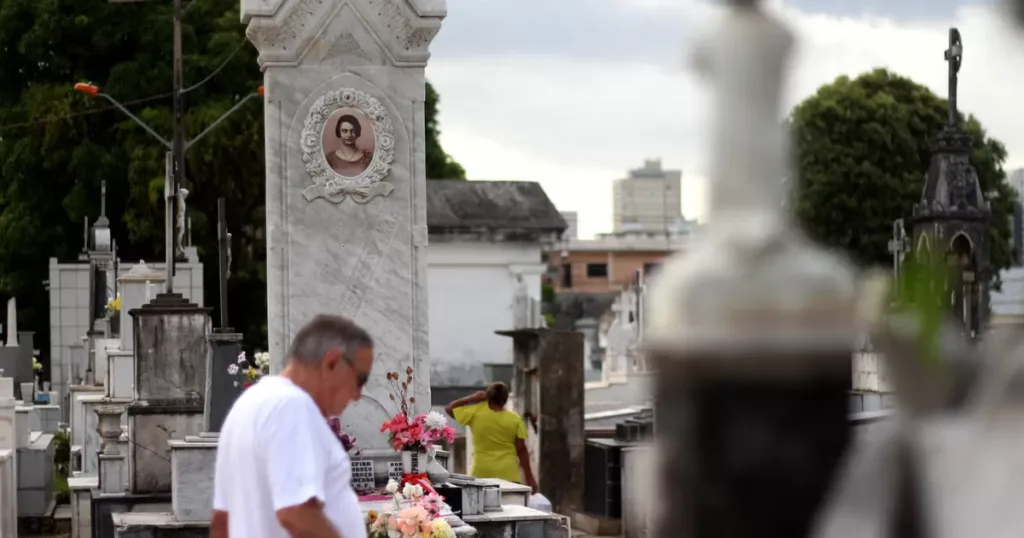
(63, 511)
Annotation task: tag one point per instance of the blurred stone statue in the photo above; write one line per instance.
(182, 194)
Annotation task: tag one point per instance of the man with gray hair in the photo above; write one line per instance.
(281, 472)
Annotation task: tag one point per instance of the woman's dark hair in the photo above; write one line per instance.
(497, 394)
(348, 118)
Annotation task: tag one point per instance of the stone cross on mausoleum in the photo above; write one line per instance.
(950, 225)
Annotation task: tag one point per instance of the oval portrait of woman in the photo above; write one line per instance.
(348, 142)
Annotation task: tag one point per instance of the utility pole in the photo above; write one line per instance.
(174, 178)
(178, 151)
(223, 257)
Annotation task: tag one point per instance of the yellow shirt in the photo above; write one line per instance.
(494, 440)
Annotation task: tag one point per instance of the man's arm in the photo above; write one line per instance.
(474, 398)
(524, 463)
(219, 524)
(306, 520)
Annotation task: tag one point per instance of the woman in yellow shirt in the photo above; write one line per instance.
(499, 435)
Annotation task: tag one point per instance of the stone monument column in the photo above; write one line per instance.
(346, 204)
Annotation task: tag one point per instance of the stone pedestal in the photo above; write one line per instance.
(82, 488)
(348, 238)
(192, 472)
(222, 388)
(112, 473)
(170, 380)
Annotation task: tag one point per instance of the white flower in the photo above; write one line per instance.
(412, 491)
(232, 369)
(440, 528)
(435, 420)
(262, 359)
(241, 358)
(392, 487)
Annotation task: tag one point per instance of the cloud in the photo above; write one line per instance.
(573, 96)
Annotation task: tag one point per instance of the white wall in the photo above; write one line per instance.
(1008, 304)
(472, 286)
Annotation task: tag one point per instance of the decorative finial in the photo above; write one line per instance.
(745, 61)
(103, 198)
(954, 56)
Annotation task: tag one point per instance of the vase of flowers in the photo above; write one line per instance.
(113, 307)
(249, 372)
(413, 436)
(415, 515)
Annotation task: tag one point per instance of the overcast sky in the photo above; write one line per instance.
(572, 93)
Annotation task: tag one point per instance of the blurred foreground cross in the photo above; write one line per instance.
(752, 331)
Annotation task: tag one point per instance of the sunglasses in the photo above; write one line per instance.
(361, 377)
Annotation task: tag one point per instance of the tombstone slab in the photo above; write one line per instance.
(192, 466)
(346, 171)
(222, 388)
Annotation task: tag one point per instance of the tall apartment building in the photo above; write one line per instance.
(649, 200)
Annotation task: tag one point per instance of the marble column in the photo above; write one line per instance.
(344, 119)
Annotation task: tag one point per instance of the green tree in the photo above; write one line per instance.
(56, 145)
(862, 152)
(440, 165)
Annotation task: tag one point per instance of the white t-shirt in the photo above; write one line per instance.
(275, 451)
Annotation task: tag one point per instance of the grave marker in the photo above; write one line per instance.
(362, 475)
(395, 471)
(346, 215)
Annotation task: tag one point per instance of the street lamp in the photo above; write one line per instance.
(174, 155)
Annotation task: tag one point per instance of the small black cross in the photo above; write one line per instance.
(954, 55)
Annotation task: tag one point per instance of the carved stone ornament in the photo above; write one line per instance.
(329, 184)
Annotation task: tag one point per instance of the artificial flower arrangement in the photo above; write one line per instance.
(113, 306)
(416, 515)
(414, 434)
(347, 441)
(251, 372)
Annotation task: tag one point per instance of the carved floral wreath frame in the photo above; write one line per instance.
(329, 184)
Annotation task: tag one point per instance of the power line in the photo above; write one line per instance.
(215, 71)
(86, 113)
